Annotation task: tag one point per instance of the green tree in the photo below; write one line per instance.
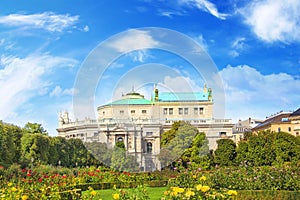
(123, 161)
(225, 153)
(34, 128)
(9, 143)
(184, 142)
(286, 148)
(167, 136)
(100, 152)
(35, 148)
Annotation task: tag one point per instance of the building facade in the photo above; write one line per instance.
(244, 126)
(139, 122)
(288, 122)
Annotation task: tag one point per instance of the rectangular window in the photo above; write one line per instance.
(196, 111)
(165, 111)
(121, 112)
(290, 129)
(144, 111)
(132, 111)
(170, 111)
(180, 111)
(201, 111)
(186, 111)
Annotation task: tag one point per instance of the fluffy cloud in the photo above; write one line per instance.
(274, 20)
(205, 6)
(180, 84)
(133, 40)
(252, 94)
(58, 91)
(23, 78)
(238, 45)
(201, 41)
(48, 20)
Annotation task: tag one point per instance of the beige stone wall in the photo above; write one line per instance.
(161, 110)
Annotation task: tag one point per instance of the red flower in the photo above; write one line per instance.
(64, 176)
(40, 180)
(1, 167)
(24, 170)
(28, 174)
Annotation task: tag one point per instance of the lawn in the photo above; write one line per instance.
(155, 193)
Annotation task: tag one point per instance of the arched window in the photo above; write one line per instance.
(149, 147)
(120, 139)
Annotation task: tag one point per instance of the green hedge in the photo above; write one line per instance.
(267, 195)
(110, 185)
(70, 194)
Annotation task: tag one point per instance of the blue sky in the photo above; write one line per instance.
(255, 46)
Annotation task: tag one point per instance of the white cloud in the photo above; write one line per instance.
(200, 39)
(170, 14)
(48, 20)
(58, 91)
(252, 94)
(205, 6)
(86, 29)
(180, 84)
(139, 56)
(23, 78)
(238, 45)
(274, 20)
(133, 40)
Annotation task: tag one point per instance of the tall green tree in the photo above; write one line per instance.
(184, 142)
(9, 143)
(225, 153)
(34, 128)
(35, 148)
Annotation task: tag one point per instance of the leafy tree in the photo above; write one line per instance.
(9, 143)
(167, 136)
(100, 152)
(35, 148)
(286, 148)
(242, 153)
(123, 161)
(34, 128)
(225, 153)
(184, 142)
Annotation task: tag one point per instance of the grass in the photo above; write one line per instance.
(155, 193)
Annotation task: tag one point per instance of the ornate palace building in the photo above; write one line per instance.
(139, 122)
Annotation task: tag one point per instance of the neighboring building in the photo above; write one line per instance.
(140, 122)
(243, 127)
(288, 122)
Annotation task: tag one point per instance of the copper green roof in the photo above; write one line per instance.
(183, 96)
(131, 102)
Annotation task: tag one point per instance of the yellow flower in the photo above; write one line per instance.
(202, 178)
(14, 189)
(189, 193)
(93, 193)
(205, 188)
(232, 192)
(116, 196)
(173, 194)
(194, 176)
(9, 184)
(24, 197)
(198, 187)
(178, 190)
(166, 193)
